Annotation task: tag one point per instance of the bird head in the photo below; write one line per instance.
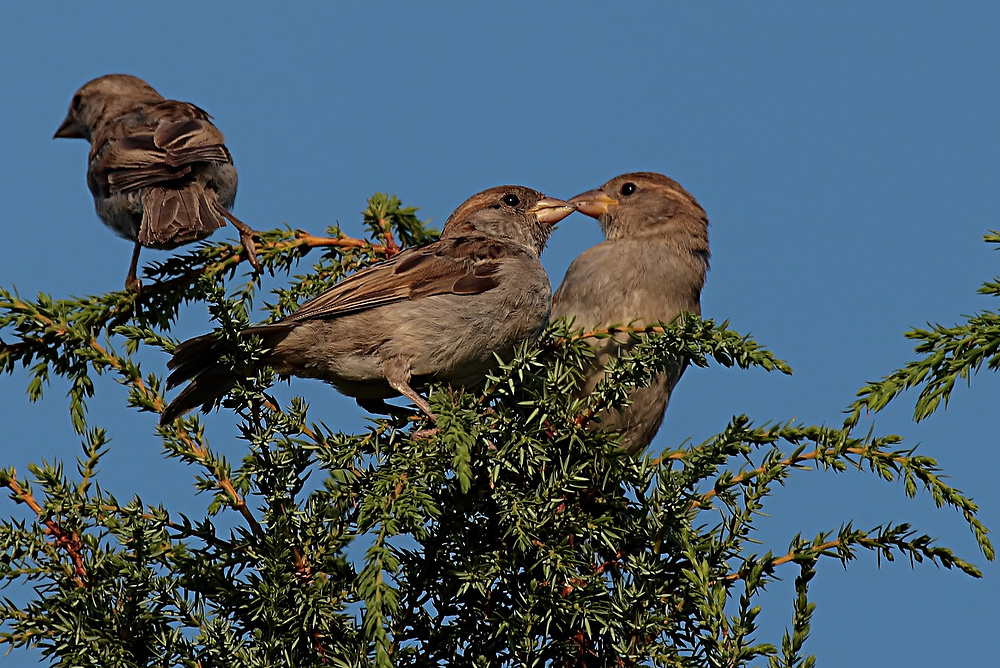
(101, 101)
(513, 212)
(647, 205)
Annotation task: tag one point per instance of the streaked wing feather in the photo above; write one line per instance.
(190, 140)
(151, 148)
(438, 268)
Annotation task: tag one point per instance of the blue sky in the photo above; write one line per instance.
(846, 156)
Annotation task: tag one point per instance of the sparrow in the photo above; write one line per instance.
(159, 170)
(650, 267)
(435, 312)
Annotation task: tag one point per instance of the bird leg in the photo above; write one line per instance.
(246, 236)
(412, 395)
(132, 282)
(397, 374)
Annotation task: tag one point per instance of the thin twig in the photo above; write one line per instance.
(784, 559)
(67, 540)
(789, 462)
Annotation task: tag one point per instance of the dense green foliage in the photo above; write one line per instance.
(509, 533)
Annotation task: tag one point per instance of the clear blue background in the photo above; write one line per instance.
(847, 157)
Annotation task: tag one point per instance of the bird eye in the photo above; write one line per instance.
(75, 104)
(511, 200)
(628, 189)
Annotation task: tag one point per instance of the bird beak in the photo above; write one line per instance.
(68, 129)
(550, 211)
(594, 203)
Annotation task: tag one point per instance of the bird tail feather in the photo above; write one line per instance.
(172, 217)
(198, 360)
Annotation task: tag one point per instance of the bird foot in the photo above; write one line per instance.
(246, 238)
(247, 234)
